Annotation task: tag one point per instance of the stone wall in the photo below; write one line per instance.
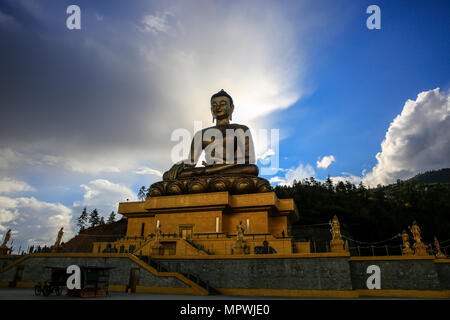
(6, 260)
(302, 273)
(398, 274)
(270, 273)
(443, 271)
(35, 270)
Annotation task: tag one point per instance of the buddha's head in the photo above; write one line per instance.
(221, 105)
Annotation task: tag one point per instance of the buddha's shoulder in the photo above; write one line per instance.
(233, 126)
(238, 126)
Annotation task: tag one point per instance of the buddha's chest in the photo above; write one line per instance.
(226, 139)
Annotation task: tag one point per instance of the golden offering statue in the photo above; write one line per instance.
(158, 233)
(406, 250)
(335, 229)
(229, 154)
(240, 232)
(240, 245)
(6, 239)
(419, 247)
(58, 238)
(337, 244)
(156, 245)
(415, 231)
(4, 247)
(439, 254)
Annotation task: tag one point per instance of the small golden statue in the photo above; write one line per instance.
(156, 246)
(337, 244)
(419, 247)
(335, 229)
(158, 232)
(4, 248)
(58, 239)
(439, 254)
(406, 250)
(240, 246)
(415, 231)
(240, 232)
(6, 239)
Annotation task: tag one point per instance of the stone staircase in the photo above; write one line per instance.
(193, 277)
(198, 247)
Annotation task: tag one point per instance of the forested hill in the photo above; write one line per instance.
(434, 176)
(375, 214)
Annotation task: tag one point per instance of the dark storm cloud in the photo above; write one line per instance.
(70, 86)
(132, 75)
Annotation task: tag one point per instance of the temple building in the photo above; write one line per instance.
(207, 223)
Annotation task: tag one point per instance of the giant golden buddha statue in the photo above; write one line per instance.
(229, 154)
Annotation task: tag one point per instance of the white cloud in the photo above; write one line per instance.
(147, 170)
(34, 222)
(325, 162)
(8, 185)
(299, 173)
(94, 165)
(10, 158)
(89, 164)
(156, 23)
(105, 195)
(346, 177)
(234, 47)
(417, 140)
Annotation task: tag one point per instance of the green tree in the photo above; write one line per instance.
(102, 221)
(94, 218)
(82, 221)
(142, 193)
(111, 218)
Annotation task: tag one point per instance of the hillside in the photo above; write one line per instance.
(434, 176)
(372, 215)
(107, 232)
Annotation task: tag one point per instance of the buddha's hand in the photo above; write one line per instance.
(176, 169)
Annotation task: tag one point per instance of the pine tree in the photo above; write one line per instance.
(102, 221)
(111, 218)
(94, 218)
(82, 221)
(142, 193)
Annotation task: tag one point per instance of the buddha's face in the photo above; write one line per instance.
(221, 108)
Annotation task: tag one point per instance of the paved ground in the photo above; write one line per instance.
(28, 294)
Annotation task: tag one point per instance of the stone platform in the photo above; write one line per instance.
(234, 184)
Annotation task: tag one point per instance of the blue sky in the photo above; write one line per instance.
(88, 114)
(361, 80)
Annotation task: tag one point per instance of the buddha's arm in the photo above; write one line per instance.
(196, 150)
(249, 150)
(246, 147)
